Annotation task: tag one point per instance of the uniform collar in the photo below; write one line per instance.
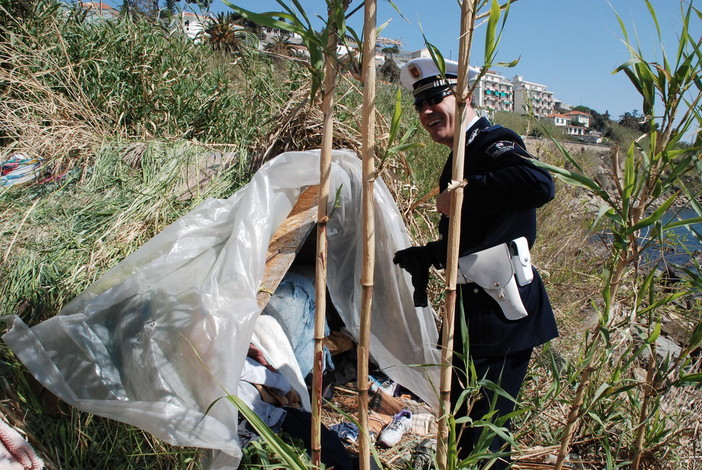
(475, 126)
(472, 122)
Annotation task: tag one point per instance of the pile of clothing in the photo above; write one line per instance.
(19, 169)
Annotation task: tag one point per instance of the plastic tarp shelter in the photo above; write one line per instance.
(164, 334)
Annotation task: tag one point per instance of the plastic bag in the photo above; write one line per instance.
(164, 334)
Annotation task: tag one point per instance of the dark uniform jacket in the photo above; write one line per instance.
(500, 200)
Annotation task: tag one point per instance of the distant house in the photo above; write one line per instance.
(579, 117)
(560, 106)
(576, 124)
(560, 120)
(593, 136)
(191, 24)
(95, 11)
(577, 131)
(272, 34)
(402, 57)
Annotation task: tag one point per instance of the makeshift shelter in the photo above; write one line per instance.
(164, 334)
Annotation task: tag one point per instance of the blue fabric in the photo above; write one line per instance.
(293, 306)
(346, 431)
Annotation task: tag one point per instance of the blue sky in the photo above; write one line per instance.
(571, 46)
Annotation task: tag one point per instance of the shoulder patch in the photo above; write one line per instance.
(500, 147)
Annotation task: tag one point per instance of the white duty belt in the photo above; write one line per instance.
(498, 270)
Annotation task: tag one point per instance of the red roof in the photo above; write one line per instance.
(98, 6)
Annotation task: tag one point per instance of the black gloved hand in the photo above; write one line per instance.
(412, 259)
(416, 261)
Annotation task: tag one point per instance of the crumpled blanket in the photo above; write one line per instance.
(15, 452)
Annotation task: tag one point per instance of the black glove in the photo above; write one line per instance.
(416, 261)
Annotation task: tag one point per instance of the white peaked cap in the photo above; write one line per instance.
(424, 78)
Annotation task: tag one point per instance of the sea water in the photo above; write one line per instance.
(684, 244)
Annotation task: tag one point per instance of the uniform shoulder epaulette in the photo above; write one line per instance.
(496, 140)
(482, 133)
(492, 128)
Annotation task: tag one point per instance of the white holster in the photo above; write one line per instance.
(493, 270)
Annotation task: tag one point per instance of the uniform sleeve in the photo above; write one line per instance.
(512, 182)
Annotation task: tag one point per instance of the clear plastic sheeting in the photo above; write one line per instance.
(165, 333)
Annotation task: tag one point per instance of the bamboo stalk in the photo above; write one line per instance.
(462, 96)
(573, 417)
(648, 388)
(368, 156)
(320, 284)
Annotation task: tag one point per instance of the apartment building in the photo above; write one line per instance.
(494, 93)
(530, 97)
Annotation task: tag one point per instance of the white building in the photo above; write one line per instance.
(191, 24)
(576, 130)
(532, 98)
(99, 11)
(577, 124)
(579, 117)
(560, 120)
(494, 93)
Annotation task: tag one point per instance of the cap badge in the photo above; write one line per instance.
(414, 71)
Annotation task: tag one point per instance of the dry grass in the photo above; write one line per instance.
(298, 126)
(60, 127)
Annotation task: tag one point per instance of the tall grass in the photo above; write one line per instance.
(63, 75)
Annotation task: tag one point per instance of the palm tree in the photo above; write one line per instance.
(280, 45)
(225, 33)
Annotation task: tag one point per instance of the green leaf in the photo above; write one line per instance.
(626, 65)
(654, 334)
(600, 392)
(688, 380)
(269, 19)
(683, 223)
(404, 147)
(576, 179)
(602, 211)
(508, 64)
(490, 39)
(663, 301)
(280, 448)
(696, 336)
(629, 174)
(435, 54)
(656, 216)
(396, 116)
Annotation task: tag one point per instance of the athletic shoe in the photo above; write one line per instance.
(388, 388)
(423, 455)
(393, 432)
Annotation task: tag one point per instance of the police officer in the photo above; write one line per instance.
(503, 190)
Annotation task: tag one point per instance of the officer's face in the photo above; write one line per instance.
(438, 120)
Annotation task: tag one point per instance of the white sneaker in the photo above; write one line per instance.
(393, 432)
(388, 387)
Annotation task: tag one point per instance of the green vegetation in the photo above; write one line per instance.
(137, 126)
